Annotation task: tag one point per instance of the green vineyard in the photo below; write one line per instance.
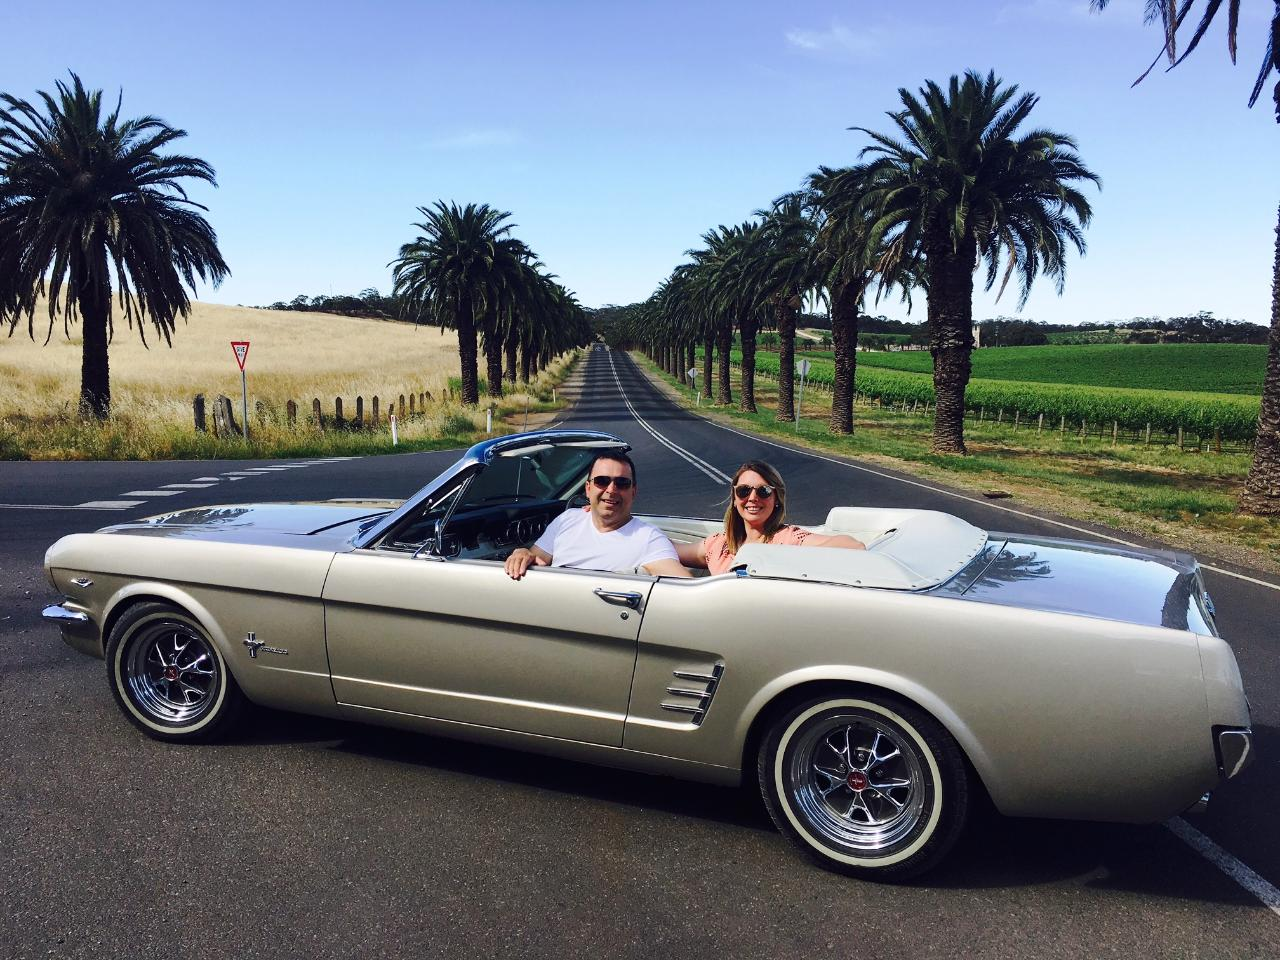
(1229, 416)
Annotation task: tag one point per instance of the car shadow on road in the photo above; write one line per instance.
(995, 851)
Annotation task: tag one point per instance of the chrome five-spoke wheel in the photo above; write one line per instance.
(866, 785)
(168, 676)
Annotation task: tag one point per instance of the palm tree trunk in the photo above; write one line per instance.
(785, 314)
(950, 339)
(467, 354)
(493, 363)
(724, 341)
(95, 314)
(708, 355)
(747, 401)
(844, 342)
(1262, 488)
(509, 349)
(526, 358)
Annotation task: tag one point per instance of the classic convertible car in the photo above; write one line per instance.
(871, 694)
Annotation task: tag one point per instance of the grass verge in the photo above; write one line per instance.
(1184, 498)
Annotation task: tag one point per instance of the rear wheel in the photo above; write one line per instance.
(168, 676)
(866, 785)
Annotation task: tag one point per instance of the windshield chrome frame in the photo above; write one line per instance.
(475, 460)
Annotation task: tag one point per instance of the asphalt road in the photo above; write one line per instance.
(328, 839)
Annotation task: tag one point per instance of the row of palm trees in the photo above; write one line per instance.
(466, 270)
(956, 186)
(94, 217)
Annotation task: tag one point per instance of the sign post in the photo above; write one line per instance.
(697, 394)
(804, 372)
(241, 349)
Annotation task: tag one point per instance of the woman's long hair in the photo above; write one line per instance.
(735, 531)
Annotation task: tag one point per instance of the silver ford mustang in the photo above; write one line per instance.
(871, 694)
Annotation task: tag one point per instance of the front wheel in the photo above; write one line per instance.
(866, 785)
(168, 676)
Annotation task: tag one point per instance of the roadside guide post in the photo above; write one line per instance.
(804, 372)
(241, 350)
(693, 378)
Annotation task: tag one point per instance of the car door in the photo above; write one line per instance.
(552, 654)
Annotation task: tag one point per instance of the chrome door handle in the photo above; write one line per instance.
(619, 598)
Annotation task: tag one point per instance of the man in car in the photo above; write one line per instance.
(605, 536)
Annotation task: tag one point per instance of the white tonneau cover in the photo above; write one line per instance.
(906, 550)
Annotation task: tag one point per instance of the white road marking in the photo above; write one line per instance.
(91, 505)
(200, 479)
(239, 474)
(716, 475)
(1233, 868)
(150, 493)
(187, 486)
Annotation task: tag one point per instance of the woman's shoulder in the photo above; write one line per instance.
(790, 535)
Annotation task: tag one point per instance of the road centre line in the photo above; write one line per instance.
(151, 493)
(187, 486)
(715, 475)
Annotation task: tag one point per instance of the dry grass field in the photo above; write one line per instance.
(293, 356)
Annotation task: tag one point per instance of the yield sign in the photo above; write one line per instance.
(241, 347)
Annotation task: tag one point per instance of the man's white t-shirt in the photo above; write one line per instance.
(573, 541)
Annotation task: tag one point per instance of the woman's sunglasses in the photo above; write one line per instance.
(602, 482)
(743, 490)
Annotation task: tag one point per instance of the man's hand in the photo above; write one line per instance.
(522, 558)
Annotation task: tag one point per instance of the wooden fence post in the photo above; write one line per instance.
(1148, 440)
(411, 413)
(1179, 438)
(400, 407)
(291, 413)
(359, 421)
(1040, 425)
(228, 417)
(197, 409)
(373, 420)
(1115, 431)
(1062, 424)
(316, 414)
(338, 421)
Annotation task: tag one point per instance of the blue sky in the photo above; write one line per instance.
(618, 133)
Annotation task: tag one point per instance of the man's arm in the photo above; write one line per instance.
(522, 558)
(666, 567)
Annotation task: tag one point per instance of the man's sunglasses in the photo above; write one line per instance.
(602, 482)
(743, 490)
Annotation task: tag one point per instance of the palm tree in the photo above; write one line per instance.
(1262, 488)
(785, 267)
(456, 274)
(91, 210)
(958, 187)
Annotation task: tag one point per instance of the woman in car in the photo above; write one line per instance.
(756, 514)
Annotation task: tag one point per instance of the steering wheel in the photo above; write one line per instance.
(577, 501)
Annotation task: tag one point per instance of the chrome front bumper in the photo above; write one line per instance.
(78, 629)
(61, 614)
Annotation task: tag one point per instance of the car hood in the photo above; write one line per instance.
(327, 523)
(1159, 588)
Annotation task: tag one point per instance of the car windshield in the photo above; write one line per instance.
(550, 473)
(505, 504)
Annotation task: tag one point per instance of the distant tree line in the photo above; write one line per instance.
(367, 303)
